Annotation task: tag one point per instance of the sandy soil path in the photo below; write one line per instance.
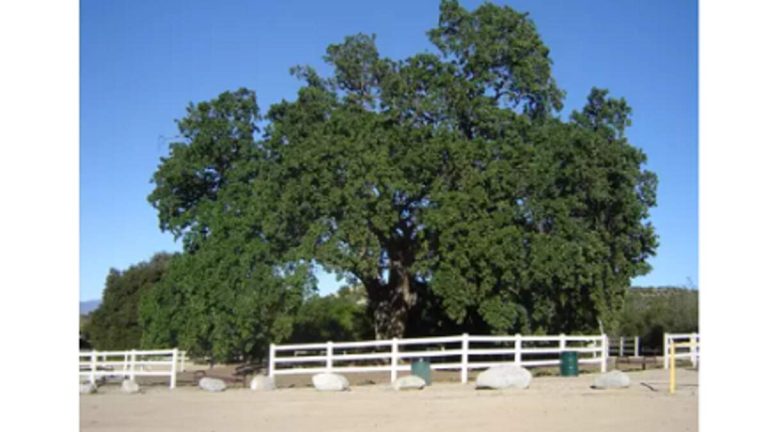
(550, 404)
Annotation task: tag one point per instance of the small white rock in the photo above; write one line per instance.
(504, 376)
(262, 383)
(212, 384)
(130, 387)
(330, 382)
(611, 380)
(87, 388)
(410, 382)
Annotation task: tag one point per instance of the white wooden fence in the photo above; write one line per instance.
(689, 348)
(130, 364)
(625, 346)
(462, 353)
(183, 361)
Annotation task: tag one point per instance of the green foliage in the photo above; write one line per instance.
(85, 337)
(651, 312)
(444, 184)
(205, 179)
(336, 317)
(225, 301)
(228, 295)
(499, 51)
(114, 325)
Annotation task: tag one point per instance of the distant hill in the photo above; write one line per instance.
(89, 306)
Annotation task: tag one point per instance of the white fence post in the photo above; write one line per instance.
(637, 346)
(272, 360)
(518, 349)
(698, 346)
(175, 359)
(694, 349)
(329, 356)
(393, 370)
(562, 342)
(666, 351)
(464, 358)
(93, 367)
(604, 359)
(621, 346)
(125, 365)
(133, 365)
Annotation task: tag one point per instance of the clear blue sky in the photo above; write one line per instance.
(142, 62)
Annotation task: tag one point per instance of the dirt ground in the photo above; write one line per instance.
(550, 404)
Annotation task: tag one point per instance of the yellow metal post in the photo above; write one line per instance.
(672, 368)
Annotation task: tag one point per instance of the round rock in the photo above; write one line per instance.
(130, 387)
(212, 384)
(262, 383)
(330, 382)
(410, 382)
(611, 380)
(503, 377)
(87, 388)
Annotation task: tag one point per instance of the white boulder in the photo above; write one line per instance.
(212, 384)
(130, 386)
(262, 383)
(87, 388)
(330, 382)
(410, 382)
(611, 380)
(504, 376)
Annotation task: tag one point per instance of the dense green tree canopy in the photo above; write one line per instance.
(445, 183)
(226, 298)
(114, 325)
(651, 312)
(231, 292)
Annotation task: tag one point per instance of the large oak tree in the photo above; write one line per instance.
(445, 183)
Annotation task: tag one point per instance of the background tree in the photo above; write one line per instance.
(650, 312)
(223, 303)
(114, 325)
(444, 184)
(340, 316)
(85, 337)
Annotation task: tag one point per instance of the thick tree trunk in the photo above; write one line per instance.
(391, 303)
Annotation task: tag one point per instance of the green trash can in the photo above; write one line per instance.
(422, 369)
(569, 364)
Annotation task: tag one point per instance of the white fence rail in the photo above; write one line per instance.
(625, 346)
(462, 353)
(688, 348)
(130, 364)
